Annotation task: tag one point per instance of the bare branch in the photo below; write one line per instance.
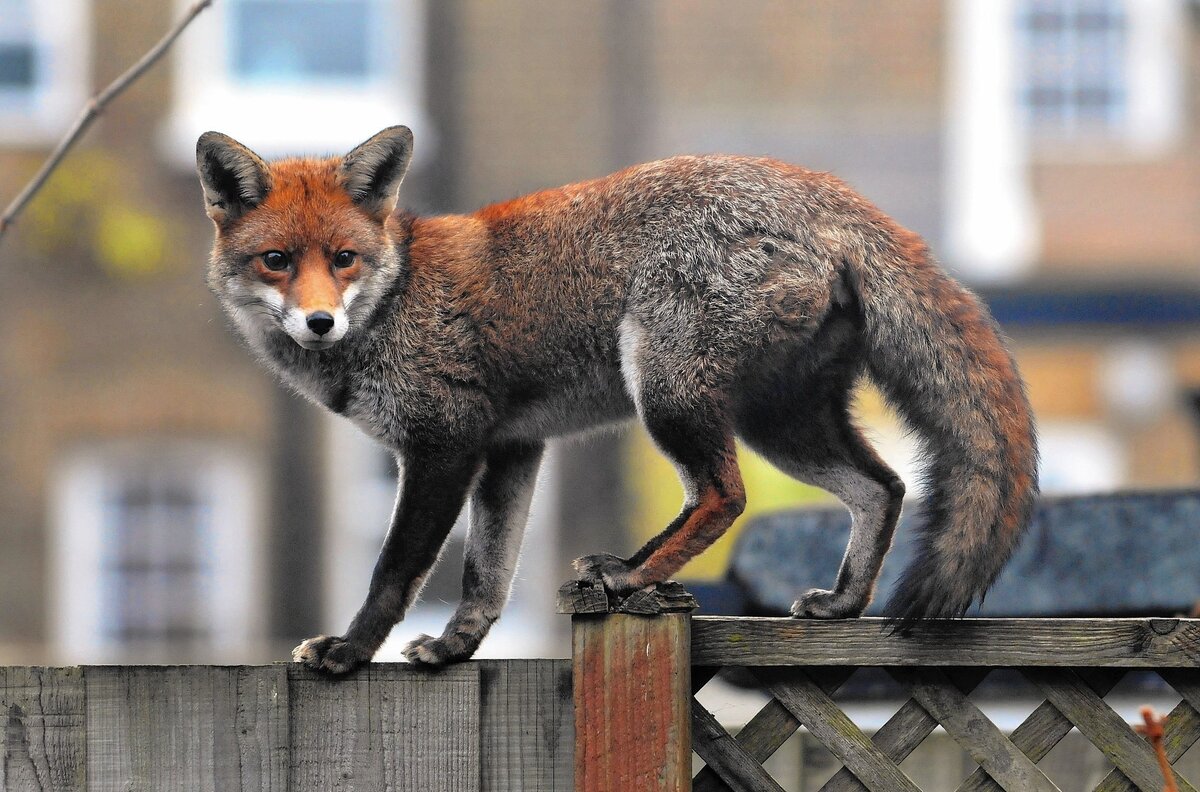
(92, 109)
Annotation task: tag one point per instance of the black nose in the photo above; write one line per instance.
(320, 322)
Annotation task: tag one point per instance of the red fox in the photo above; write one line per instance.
(713, 297)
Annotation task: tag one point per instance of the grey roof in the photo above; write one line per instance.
(1120, 554)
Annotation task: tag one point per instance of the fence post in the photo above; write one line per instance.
(631, 664)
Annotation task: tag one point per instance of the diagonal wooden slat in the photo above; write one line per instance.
(826, 721)
(1041, 731)
(740, 771)
(769, 729)
(1106, 730)
(1181, 730)
(1184, 730)
(971, 729)
(904, 731)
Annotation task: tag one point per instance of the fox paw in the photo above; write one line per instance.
(822, 604)
(427, 650)
(330, 654)
(612, 572)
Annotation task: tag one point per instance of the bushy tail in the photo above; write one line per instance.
(936, 353)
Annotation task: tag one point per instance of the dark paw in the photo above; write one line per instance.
(821, 604)
(330, 654)
(427, 650)
(612, 572)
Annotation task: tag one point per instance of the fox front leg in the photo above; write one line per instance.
(432, 490)
(499, 510)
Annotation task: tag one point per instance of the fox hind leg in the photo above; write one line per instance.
(681, 402)
(827, 451)
(498, 512)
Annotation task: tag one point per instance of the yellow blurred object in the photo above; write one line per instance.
(129, 243)
(658, 495)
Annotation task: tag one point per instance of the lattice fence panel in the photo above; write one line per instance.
(1074, 699)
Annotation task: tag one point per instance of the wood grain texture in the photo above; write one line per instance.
(195, 728)
(904, 731)
(726, 757)
(972, 730)
(385, 727)
(825, 720)
(1103, 727)
(578, 597)
(527, 728)
(45, 747)
(1180, 732)
(769, 729)
(1042, 730)
(631, 691)
(1123, 643)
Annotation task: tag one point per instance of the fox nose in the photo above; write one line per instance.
(320, 322)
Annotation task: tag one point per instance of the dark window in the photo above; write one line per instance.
(157, 538)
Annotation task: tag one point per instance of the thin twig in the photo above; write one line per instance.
(1153, 731)
(92, 109)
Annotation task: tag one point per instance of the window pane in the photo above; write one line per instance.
(1072, 61)
(297, 40)
(16, 66)
(18, 56)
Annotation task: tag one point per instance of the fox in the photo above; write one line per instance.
(713, 298)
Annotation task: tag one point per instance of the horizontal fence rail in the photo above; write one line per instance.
(620, 715)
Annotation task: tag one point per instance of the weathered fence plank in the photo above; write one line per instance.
(825, 720)
(45, 746)
(387, 727)
(1095, 720)
(726, 757)
(1122, 643)
(527, 728)
(1042, 730)
(193, 728)
(904, 731)
(972, 730)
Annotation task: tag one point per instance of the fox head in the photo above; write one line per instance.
(303, 246)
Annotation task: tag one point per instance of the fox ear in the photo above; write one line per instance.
(374, 170)
(234, 178)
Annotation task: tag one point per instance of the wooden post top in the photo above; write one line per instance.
(581, 597)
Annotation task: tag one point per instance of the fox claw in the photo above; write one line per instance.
(430, 651)
(330, 654)
(822, 604)
(612, 572)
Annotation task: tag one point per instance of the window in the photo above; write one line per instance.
(1074, 65)
(43, 57)
(299, 76)
(155, 554)
(361, 491)
(1097, 70)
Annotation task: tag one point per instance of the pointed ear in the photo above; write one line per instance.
(234, 178)
(373, 171)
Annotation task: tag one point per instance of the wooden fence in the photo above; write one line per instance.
(619, 716)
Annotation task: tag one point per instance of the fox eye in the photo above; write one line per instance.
(275, 260)
(344, 259)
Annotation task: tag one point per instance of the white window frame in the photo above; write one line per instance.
(305, 117)
(1155, 72)
(62, 36)
(359, 505)
(234, 613)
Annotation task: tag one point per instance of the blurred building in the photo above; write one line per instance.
(162, 498)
